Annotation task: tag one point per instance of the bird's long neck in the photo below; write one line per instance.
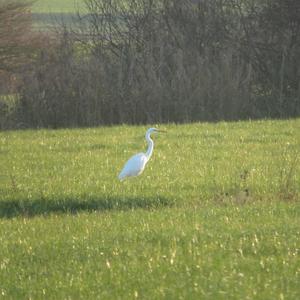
(150, 146)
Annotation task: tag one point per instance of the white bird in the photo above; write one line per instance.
(136, 164)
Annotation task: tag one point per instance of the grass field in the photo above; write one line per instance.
(49, 13)
(214, 216)
(58, 6)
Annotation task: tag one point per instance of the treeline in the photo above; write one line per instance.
(154, 61)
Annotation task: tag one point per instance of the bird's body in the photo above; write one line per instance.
(136, 164)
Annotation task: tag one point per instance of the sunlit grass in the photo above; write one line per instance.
(58, 6)
(215, 215)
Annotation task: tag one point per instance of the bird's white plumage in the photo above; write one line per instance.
(136, 164)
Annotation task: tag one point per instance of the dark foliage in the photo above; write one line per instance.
(167, 60)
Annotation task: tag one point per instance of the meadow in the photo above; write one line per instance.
(57, 6)
(47, 14)
(215, 215)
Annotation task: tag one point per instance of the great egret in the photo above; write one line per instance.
(136, 164)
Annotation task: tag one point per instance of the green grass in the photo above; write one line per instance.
(49, 13)
(215, 215)
(58, 6)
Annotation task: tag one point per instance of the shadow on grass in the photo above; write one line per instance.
(30, 208)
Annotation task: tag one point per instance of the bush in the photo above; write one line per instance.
(168, 61)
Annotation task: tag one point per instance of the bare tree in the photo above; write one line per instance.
(15, 33)
(153, 61)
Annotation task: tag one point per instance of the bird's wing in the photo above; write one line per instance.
(134, 166)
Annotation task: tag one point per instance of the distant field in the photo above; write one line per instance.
(214, 216)
(47, 13)
(58, 6)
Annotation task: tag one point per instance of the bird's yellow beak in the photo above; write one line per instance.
(161, 130)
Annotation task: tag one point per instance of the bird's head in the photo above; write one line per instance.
(154, 130)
